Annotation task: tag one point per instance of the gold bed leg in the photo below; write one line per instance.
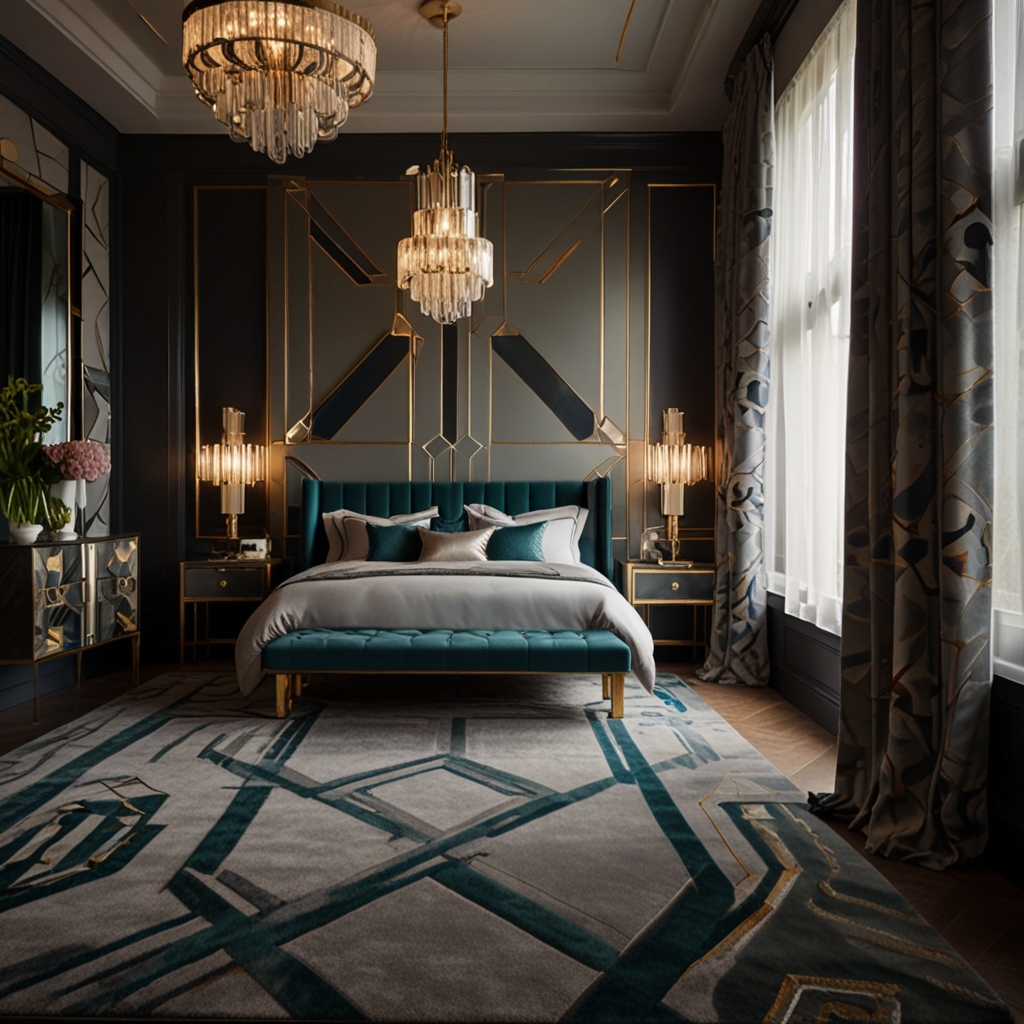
(606, 685)
(618, 694)
(298, 684)
(283, 680)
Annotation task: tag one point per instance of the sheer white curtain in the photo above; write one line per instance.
(1008, 336)
(811, 256)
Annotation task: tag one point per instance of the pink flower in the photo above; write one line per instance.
(79, 460)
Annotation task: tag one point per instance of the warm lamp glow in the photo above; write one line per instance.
(232, 465)
(674, 464)
(278, 74)
(446, 266)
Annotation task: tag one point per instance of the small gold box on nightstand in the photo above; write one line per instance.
(647, 585)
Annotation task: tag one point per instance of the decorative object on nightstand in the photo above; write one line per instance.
(647, 585)
(219, 582)
(673, 463)
(233, 465)
(62, 598)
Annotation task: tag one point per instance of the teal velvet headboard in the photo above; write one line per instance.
(320, 496)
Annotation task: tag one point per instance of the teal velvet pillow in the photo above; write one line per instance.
(517, 543)
(393, 543)
(460, 525)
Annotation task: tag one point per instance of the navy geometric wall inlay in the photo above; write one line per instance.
(350, 395)
(339, 245)
(543, 380)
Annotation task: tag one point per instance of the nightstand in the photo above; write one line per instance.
(219, 582)
(648, 585)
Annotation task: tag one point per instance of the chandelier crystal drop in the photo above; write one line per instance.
(445, 266)
(279, 75)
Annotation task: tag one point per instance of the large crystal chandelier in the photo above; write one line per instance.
(280, 74)
(446, 265)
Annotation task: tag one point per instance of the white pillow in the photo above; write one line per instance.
(561, 542)
(347, 538)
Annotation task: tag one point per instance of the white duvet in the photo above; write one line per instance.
(443, 595)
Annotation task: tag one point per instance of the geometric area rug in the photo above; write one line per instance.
(455, 849)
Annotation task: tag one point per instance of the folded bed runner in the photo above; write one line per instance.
(440, 650)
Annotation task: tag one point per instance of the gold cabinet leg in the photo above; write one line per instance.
(136, 640)
(35, 693)
(298, 684)
(618, 694)
(282, 681)
(606, 685)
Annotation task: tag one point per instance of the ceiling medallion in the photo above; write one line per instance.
(446, 266)
(279, 74)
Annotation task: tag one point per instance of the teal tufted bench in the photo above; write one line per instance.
(306, 651)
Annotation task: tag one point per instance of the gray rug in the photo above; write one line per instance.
(460, 849)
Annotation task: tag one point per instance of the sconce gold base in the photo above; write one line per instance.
(232, 521)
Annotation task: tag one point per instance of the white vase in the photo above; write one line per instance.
(67, 491)
(24, 533)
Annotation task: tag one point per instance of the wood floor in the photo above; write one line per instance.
(976, 909)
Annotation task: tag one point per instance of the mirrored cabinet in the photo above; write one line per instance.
(58, 599)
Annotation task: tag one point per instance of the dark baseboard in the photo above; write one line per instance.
(804, 665)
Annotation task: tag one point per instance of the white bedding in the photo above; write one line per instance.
(443, 595)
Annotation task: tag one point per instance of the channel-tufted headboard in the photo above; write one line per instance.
(319, 496)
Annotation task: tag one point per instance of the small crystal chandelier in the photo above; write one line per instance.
(446, 265)
(280, 74)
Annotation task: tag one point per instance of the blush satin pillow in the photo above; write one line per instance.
(470, 546)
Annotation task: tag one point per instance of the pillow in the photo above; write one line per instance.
(346, 531)
(455, 547)
(460, 525)
(517, 543)
(561, 538)
(393, 543)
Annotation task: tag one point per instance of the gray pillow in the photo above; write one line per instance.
(470, 546)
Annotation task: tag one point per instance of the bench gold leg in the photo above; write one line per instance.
(283, 697)
(298, 684)
(606, 685)
(618, 694)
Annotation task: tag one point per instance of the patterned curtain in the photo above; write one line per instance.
(739, 646)
(915, 654)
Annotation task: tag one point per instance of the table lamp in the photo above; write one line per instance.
(232, 464)
(673, 463)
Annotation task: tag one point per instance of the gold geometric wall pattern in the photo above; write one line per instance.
(534, 385)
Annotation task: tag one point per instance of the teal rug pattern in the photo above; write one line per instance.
(460, 849)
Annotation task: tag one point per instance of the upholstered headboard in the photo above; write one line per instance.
(320, 496)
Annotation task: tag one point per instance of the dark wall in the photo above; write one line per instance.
(159, 176)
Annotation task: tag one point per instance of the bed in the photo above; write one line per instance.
(493, 617)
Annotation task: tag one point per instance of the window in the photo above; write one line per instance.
(1008, 336)
(811, 267)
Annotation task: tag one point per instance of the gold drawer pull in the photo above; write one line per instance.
(675, 584)
(223, 583)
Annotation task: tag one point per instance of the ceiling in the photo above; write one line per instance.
(528, 65)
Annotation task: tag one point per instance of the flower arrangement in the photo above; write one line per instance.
(79, 460)
(25, 473)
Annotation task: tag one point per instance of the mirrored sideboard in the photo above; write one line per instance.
(61, 598)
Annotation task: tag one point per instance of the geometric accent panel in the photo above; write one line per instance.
(96, 396)
(42, 158)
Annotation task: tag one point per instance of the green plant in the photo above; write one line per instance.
(25, 473)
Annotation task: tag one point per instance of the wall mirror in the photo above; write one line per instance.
(35, 301)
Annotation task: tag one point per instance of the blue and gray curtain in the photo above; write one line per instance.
(917, 599)
(739, 647)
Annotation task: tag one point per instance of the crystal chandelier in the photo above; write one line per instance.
(446, 265)
(280, 74)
